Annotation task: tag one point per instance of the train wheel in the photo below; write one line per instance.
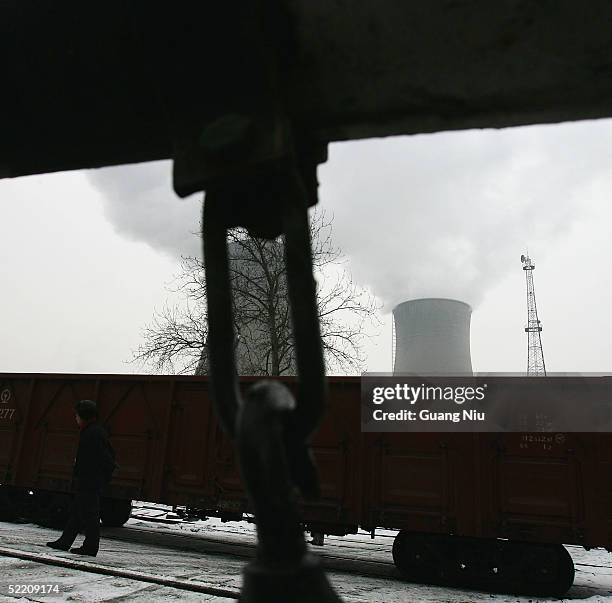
(492, 564)
(114, 512)
(416, 556)
(565, 572)
(546, 569)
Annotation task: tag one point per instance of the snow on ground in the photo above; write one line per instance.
(212, 553)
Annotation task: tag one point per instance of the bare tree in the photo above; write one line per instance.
(175, 341)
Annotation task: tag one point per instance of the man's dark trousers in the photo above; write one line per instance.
(86, 515)
(93, 467)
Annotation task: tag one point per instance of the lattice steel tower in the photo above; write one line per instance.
(535, 355)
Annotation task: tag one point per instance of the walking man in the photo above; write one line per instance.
(93, 468)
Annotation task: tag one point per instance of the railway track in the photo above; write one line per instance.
(349, 554)
(211, 537)
(236, 543)
(213, 547)
(361, 564)
(96, 568)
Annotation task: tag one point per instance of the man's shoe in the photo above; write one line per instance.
(83, 551)
(58, 544)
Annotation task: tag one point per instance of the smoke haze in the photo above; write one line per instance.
(141, 205)
(448, 215)
(442, 215)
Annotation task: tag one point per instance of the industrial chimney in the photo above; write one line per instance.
(432, 337)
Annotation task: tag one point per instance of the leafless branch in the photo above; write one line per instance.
(175, 340)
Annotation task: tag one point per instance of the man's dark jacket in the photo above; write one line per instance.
(95, 460)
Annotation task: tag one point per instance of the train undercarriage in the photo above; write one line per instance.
(51, 509)
(484, 563)
(490, 564)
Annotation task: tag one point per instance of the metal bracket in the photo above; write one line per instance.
(272, 428)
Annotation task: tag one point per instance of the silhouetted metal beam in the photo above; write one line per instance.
(88, 84)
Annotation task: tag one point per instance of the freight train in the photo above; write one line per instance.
(471, 508)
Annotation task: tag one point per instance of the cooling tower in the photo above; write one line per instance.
(432, 337)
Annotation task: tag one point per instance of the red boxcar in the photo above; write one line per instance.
(529, 488)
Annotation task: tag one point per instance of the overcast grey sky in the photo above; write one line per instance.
(85, 255)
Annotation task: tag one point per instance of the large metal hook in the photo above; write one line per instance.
(272, 428)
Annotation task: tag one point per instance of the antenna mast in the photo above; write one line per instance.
(535, 355)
